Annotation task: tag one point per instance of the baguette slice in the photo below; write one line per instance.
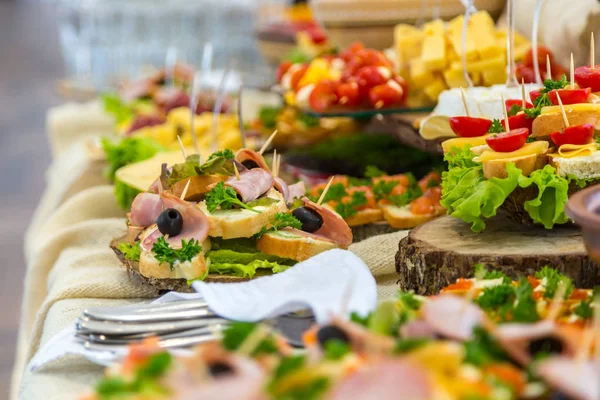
(150, 267)
(241, 223)
(287, 244)
(580, 167)
(364, 217)
(527, 164)
(578, 114)
(403, 218)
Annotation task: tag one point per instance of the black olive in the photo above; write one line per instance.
(547, 345)
(250, 164)
(219, 368)
(330, 332)
(170, 222)
(310, 219)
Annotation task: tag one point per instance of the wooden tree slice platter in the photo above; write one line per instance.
(437, 253)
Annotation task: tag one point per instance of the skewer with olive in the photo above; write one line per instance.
(170, 222)
(310, 219)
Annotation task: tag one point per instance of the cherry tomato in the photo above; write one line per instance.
(525, 73)
(354, 48)
(542, 53)
(384, 96)
(509, 103)
(506, 142)
(348, 94)
(586, 77)
(282, 69)
(518, 121)
(316, 35)
(570, 96)
(297, 77)
(374, 58)
(368, 77)
(404, 85)
(470, 126)
(323, 95)
(422, 206)
(580, 134)
(534, 94)
(353, 64)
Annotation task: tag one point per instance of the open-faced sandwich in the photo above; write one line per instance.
(497, 342)
(383, 203)
(527, 164)
(226, 219)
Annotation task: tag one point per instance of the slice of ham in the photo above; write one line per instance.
(578, 380)
(418, 329)
(247, 154)
(195, 224)
(169, 98)
(252, 184)
(334, 227)
(137, 89)
(297, 191)
(145, 209)
(283, 188)
(452, 316)
(390, 379)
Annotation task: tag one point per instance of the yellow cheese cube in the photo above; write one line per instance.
(419, 75)
(408, 41)
(435, 27)
(495, 76)
(455, 78)
(483, 18)
(433, 53)
(483, 65)
(433, 90)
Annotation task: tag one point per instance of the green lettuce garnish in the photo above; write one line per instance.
(217, 163)
(127, 151)
(130, 251)
(115, 106)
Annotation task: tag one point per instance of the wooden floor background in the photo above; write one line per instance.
(30, 64)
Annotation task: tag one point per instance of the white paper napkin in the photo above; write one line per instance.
(334, 282)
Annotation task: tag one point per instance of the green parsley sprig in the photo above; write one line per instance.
(553, 279)
(350, 208)
(226, 153)
(496, 127)
(225, 198)
(130, 251)
(279, 221)
(164, 253)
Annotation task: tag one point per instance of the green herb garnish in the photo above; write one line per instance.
(553, 280)
(226, 153)
(166, 254)
(584, 310)
(225, 198)
(350, 208)
(483, 273)
(482, 349)
(237, 333)
(496, 127)
(279, 221)
(130, 251)
(335, 349)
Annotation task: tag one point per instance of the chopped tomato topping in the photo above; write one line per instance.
(534, 282)
(422, 206)
(400, 178)
(461, 284)
(579, 294)
(508, 374)
(537, 295)
(432, 176)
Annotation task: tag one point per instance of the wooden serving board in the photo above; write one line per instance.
(437, 253)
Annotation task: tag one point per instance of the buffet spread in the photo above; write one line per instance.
(456, 165)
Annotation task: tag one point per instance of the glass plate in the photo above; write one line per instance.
(365, 113)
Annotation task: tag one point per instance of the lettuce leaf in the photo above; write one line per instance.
(222, 164)
(125, 194)
(127, 151)
(548, 208)
(245, 270)
(115, 106)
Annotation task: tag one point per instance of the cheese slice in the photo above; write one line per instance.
(577, 150)
(530, 149)
(447, 145)
(572, 108)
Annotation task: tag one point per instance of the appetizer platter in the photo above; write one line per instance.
(471, 340)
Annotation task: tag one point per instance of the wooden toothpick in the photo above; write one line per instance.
(572, 77)
(325, 191)
(160, 186)
(274, 167)
(181, 147)
(506, 126)
(187, 185)
(464, 99)
(523, 98)
(592, 53)
(237, 173)
(267, 143)
(548, 67)
(562, 110)
(278, 164)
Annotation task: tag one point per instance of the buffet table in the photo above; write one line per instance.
(70, 267)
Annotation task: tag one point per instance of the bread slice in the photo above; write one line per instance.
(403, 218)
(150, 267)
(545, 124)
(241, 223)
(364, 217)
(527, 164)
(585, 167)
(287, 244)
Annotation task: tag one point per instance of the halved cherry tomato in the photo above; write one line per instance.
(534, 94)
(347, 54)
(542, 53)
(470, 126)
(367, 78)
(348, 94)
(323, 95)
(580, 134)
(384, 96)
(586, 77)
(282, 69)
(511, 102)
(422, 206)
(525, 73)
(297, 77)
(506, 142)
(518, 121)
(570, 96)
(404, 85)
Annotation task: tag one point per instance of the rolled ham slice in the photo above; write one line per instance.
(145, 209)
(169, 98)
(195, 224)
(296, 191)
(578, 380)
(334, 227)
(452, 316)
(247, 154)
(252, 184)
(386, 380)
(283, 188)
